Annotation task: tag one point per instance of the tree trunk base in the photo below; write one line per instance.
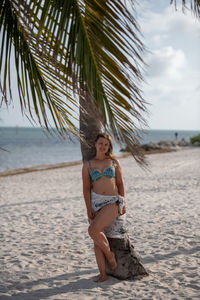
(129, 265)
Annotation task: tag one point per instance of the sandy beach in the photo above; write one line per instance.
(46, 253)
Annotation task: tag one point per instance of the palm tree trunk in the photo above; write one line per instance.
(90, 126)
(128, 261)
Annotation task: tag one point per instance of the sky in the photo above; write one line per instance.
(172, 85)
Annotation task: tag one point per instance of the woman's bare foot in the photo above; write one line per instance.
(112, 262)
(101, 278)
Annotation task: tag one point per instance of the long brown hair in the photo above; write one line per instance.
(109, 153)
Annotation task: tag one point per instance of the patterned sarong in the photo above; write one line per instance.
(117, 228)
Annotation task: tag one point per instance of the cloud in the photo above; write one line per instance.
(170, 22)
(173, 86)
(173, 71)
(166, 62)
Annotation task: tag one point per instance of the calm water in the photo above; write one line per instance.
(33, 146)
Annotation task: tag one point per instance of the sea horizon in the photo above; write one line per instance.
(33, 146)
(39, 127)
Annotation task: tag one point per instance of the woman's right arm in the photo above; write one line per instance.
(87, 190)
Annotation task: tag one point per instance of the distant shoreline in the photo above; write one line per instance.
(52, 128)
(32, 148)
(45, 167)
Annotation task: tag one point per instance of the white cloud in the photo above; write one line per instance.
(173, 71)
(170, 22)
(174, 103)
(166, 62)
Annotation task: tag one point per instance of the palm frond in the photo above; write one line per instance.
(63, 47)
(194, 5)
(113, 33)
(39, 86)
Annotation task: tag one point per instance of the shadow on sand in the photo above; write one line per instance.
(54, 286)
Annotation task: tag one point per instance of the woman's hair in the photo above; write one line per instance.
(109, 153)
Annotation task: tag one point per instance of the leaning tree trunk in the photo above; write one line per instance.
(128, 261)
(90, 126)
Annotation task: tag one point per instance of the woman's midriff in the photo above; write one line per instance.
(105, 186)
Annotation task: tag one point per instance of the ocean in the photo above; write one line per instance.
(26, 147)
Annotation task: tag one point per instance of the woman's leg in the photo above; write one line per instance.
(101, 262)
(96, 230)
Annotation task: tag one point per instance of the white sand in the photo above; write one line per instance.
(45, 251)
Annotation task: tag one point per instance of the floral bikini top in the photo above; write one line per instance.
(108, 172)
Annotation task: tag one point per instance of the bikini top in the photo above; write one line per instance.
(108, 172)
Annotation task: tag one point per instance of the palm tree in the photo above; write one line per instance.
(76, 54)
(73, 52)
(64, 50)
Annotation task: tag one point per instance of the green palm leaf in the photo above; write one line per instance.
(194, 5)
(62, 49)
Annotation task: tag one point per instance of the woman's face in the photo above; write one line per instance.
(102, 145)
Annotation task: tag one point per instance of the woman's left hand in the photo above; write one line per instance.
(123, 210)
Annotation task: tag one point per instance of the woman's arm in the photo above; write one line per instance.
(87, 190)
(119, 179)
(120, 184)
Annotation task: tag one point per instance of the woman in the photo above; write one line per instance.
(103, 190)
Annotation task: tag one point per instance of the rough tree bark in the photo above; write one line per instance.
(128, 261)
(90, 126)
